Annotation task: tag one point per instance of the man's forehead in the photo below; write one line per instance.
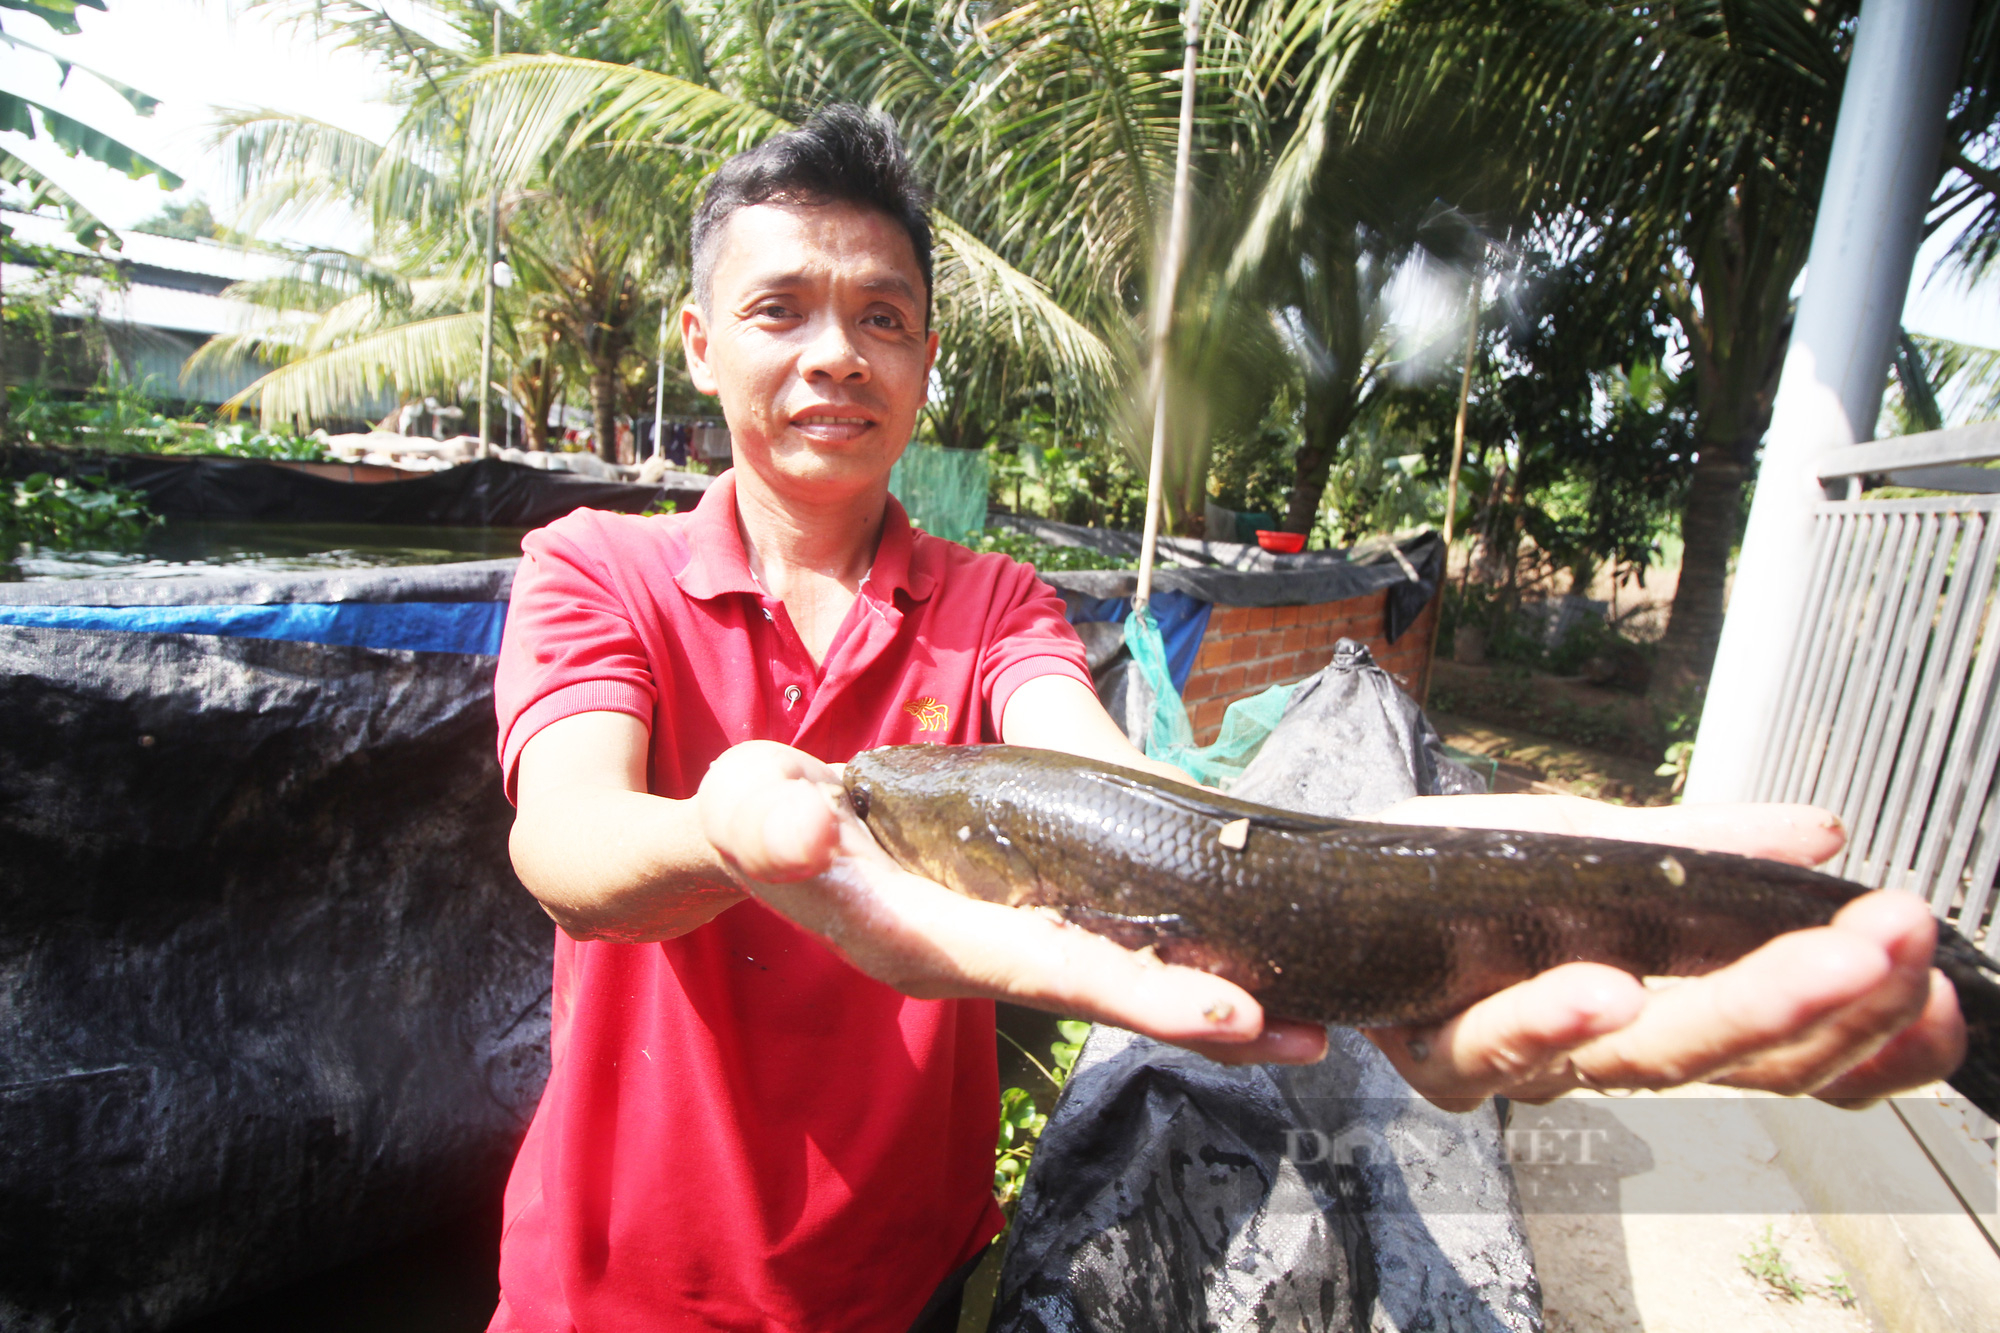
(765, 243)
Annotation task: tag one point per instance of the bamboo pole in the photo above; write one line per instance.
(1457, 463)
(1464, 396)
(660, 390)
(486, 322)
(1163, 308)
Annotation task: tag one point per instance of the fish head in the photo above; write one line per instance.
(917, 803)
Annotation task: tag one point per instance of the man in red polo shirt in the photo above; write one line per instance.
(772, 1095)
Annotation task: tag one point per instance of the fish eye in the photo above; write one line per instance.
(857, 796)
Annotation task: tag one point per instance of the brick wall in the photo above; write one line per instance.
(1249, 649)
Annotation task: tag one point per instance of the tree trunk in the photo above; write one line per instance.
(604, 411)
(1743, 269)
(1315, 462)
(536, 425)
(6, 414)
(1333, 391)
(1490, 560)
(1711, 525)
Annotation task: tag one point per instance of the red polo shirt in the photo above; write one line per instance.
(741, 1131)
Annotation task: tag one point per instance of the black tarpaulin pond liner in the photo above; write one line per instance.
(488, 493)
(1170, 1193)
(274, 996)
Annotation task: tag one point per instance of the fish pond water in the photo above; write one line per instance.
(186, 548)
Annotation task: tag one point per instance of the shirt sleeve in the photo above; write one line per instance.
(569, 645)
(1032, 637)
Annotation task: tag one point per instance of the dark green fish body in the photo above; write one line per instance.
(1343, 921)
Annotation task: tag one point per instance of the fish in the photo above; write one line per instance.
(1347, 921)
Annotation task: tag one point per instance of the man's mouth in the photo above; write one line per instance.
(825, 419)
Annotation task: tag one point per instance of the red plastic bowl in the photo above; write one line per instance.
(1281, 543)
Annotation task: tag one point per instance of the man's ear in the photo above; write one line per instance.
(694, 342)
(930, 350)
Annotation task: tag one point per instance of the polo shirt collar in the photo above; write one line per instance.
(717, 563)
(897, 564)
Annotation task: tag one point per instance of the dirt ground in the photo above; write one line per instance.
(1529, 762)
(1695, 1226)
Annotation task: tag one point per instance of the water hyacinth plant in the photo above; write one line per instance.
(71, 513)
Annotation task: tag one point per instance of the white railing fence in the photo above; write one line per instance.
(1887, 716)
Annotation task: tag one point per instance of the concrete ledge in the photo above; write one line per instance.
(1919, 1261)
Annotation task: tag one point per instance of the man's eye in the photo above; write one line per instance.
(772, 310)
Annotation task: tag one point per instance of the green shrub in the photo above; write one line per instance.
(242, 442)
(1042, 555)
(1021, 1123)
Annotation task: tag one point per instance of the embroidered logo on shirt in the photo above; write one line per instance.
(929, 713)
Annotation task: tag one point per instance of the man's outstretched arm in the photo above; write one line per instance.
(604, 857)
(1851, 1010)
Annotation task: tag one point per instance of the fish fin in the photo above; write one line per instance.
(1978, 1079)
(1227, 809)
(1960, 950)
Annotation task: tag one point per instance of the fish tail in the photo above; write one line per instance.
(1978, 1079)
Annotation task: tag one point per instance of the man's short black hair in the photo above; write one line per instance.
(844, 154)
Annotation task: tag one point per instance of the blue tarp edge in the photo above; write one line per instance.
(423, 627)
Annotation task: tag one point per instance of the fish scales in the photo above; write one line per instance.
(1344, 921)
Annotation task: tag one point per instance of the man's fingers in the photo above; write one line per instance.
(1928, 1049)
(767, 811)
(1800, 834)
(929, 942)
(777, 835)
(800, 831)
(1283, 1041)
(1788, 1017)
(1516, 1041)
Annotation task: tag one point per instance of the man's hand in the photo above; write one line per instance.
(778, 818)
(1850, 1011)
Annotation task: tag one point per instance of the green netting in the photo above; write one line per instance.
(1245, 724)
(944, 490)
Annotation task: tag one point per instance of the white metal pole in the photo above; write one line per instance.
(486, 324)
(1879, 179)
(660, 389)
(1163, 308)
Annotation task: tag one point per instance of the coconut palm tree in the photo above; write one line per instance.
(749, 74)
(587, 279)
(595, 199)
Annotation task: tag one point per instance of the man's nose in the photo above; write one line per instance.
(831, 350)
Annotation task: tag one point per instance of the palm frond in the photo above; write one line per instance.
(528, 109)
(977, 283)
(89, 229)
(31, 118)
(426, 356)
(1963, 379)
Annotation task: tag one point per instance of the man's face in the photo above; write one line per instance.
(814, 339)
